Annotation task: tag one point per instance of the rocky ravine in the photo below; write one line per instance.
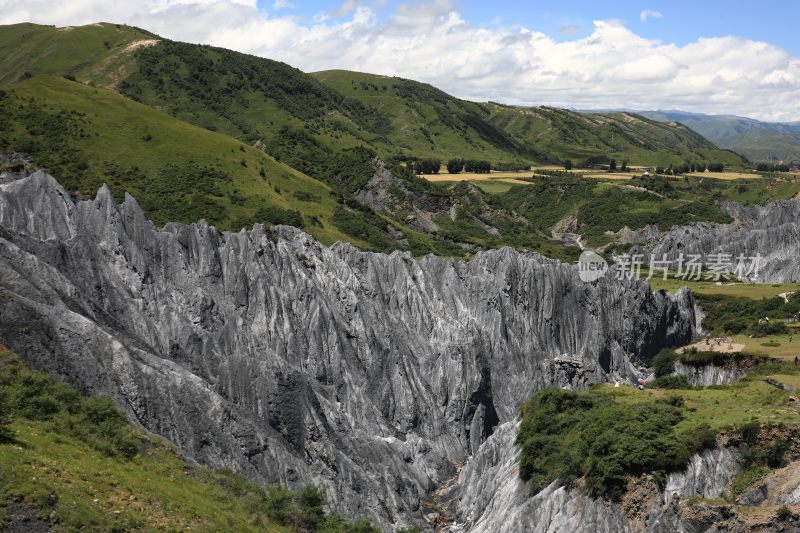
(771, 230)
(371, 375)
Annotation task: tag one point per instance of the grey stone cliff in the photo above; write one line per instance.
(771, 230)
(374, 376)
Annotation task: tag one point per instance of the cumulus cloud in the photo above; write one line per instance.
(648, 14)
(611, 67)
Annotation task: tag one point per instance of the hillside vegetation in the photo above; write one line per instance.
(97, 53)
(74, 463)
(596, 138)
(424, 121)
(178, 172)
(255, 98)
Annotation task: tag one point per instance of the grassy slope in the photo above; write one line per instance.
(55, 472)
(246, 96)
(157, 490)
(425, 122)
(727, 406)
(115, 129)
(98, 53)
(255, 98)
(71, 462)
(565, 134)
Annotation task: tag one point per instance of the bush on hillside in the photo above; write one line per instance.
(304, 511)
(768, 328)
(664, 362)
(568, 435)
(276, 215)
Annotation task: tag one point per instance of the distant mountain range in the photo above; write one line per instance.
(757, 140)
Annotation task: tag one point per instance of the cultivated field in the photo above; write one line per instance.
(726, 175)
(610, 175)
(471, 176)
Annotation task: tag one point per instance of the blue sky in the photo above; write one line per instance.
(773, 21)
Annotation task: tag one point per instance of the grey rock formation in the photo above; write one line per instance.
(707, 475)
(371, 375)
(489, 496)
(13, 167)
(386, 193)
(707, 375)
(772, 231)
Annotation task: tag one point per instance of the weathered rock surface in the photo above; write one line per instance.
(771, 230)
(707, 375)
(489, 496)
(262, 351)
(386, 193)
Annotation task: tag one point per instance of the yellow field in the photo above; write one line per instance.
(727, 175)
(470, 176)
(610, 175)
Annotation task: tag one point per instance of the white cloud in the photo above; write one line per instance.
(281, 4)
(648, 14)
(610, 67)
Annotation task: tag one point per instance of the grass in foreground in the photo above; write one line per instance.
(77, 464)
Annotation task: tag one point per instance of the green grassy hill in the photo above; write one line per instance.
(98, 53)
(425, 121)
(253, 99)
(74, 463)
(178, 172)
(564, 134)
(759, 141)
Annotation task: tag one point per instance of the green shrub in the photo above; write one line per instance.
(304, 511)
(276, 215)
(749, 433)
(768, 328)
(698, 358)
(746, 476)
(5, 416)
(567, 435)
(664, 363)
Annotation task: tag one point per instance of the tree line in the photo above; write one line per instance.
(454, 166)
(772, 167)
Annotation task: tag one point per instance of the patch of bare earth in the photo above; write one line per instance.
(714, 344)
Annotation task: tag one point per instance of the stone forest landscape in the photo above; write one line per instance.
(391, 267)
